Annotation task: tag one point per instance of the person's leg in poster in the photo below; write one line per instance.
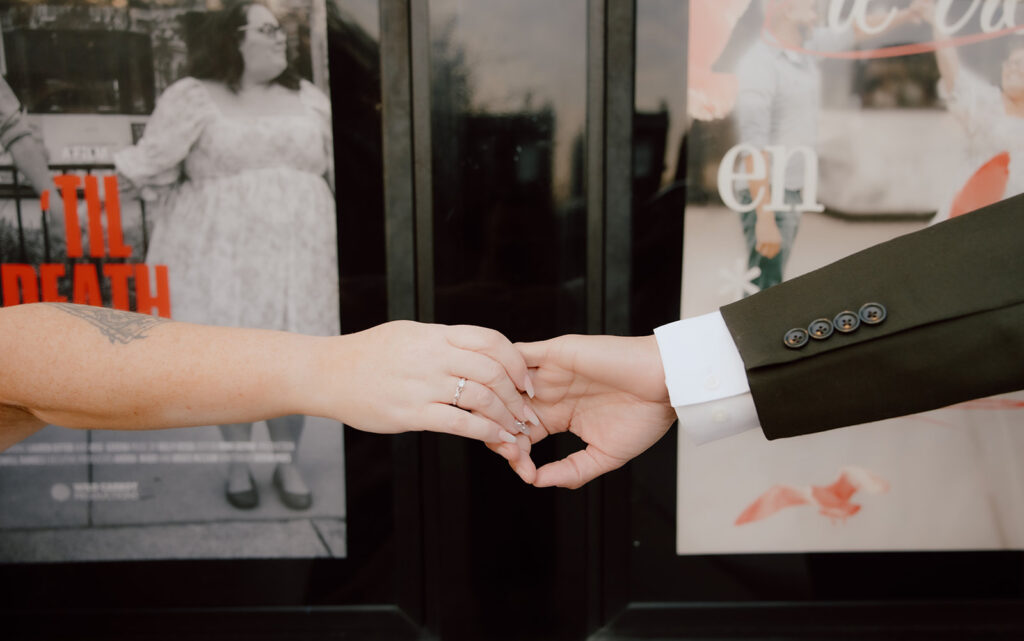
(290, 485)
(240, 489)
(771, 269)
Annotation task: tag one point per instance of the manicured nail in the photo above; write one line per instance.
(505, 436)
(529, 386)
(525, 430)
(530, 414)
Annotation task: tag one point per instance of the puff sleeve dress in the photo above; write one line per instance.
(245, 219)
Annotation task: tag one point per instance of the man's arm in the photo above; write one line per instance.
(952, 329)
(952, 299)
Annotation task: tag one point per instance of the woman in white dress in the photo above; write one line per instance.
(238, 155)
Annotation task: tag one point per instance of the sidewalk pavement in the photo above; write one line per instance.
(165, 509)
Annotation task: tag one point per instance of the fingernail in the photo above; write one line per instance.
(529, 386)
(505, 436)
(520, 425)
(530, 414)
(526, 430)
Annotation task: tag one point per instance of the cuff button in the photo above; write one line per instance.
(820, 328)
(795, 338)
(846, 322)
(872, 313)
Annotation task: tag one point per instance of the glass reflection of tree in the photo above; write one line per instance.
(358, 156)
(499, 234)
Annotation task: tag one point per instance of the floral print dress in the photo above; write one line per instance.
(245, 220)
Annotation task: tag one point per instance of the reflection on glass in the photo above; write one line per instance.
(509, 103)
(354, 52)
(659, 166)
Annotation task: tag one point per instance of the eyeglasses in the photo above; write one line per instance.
(267, 29)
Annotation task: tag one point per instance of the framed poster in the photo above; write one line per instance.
(923, 534)
(854, 137)
(161, 217)
(139, 523)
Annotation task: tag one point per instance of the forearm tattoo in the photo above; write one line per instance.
(117, 326)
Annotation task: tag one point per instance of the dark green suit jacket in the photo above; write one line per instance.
(953, 330)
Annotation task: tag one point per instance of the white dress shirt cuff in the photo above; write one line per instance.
(706, 379)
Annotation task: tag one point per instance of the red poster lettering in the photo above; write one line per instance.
(19, 279)
(92, 204)
(72, 230)
(87, 286)
(114, 235)
(119, 273)
(48, 275)
(145, 302)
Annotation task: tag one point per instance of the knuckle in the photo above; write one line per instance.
(458, 424)
(495, 373)
(472, 397)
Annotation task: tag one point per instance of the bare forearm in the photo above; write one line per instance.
(949, 66)
(82, 366)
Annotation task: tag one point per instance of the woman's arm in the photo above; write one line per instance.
(91, 367)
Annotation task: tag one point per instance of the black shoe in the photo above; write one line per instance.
(294, 500)
(245, 499)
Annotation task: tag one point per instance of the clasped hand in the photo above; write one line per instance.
(607, 390)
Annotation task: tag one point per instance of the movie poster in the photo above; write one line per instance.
(854, 122)
(164, 189)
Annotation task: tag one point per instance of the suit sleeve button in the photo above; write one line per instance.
(872, 313)
(820, 329)
(846, 322)
(795, 338)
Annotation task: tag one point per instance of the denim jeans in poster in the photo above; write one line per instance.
(788, 221)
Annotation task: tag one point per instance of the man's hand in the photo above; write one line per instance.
(608, 390)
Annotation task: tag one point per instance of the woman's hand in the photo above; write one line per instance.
(403, 376)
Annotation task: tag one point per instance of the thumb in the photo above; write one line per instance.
(534, 353)
(577, 469)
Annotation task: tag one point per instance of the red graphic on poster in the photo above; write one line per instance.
(985, 187)
(23, 283)
(833, 501)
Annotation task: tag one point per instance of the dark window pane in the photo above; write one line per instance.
(102, 72)
(509, 103)
(354, 51)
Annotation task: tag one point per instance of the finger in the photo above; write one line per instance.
(534, 353)
(576, 470)
(439, 417)
(495, 346)
(483, 401)
(517, 457)
(489, 372)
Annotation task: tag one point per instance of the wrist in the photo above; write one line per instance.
(655, 385)
(313, 386)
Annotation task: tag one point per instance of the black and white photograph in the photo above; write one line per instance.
(191, 141)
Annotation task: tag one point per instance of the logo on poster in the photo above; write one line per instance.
(60, 492)
(780, 157)
(996, 18)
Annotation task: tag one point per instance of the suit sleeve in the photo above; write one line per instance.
(953, 296)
